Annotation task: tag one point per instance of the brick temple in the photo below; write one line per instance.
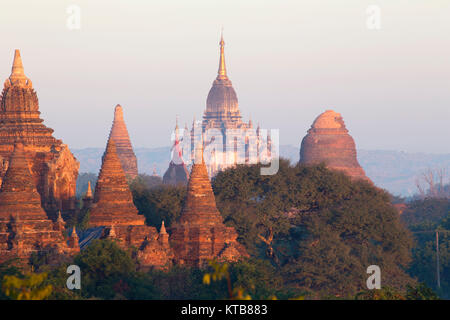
(53, 167)
(24, 226)
(328, 141)
(114, 216)
(119, 134)
(200, 234)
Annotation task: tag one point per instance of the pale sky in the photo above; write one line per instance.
(288, 60)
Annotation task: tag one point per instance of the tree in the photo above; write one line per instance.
(160, 203)
(105, 268)
(323, 228)
(29, 286)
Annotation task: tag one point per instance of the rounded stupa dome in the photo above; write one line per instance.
(222, 98)
(328, 120)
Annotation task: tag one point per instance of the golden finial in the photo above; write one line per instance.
(222, 74)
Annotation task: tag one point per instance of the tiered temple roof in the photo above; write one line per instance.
(113, 201)
(119, 134)
(53, 166)
(200, 234)
(24, 225)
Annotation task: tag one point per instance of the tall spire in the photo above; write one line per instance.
(119, 134)
(222, 74)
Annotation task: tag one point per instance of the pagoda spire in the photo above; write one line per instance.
(163, 228)
(119, 133)
(88, 191)
(17, 71)
(222, 73)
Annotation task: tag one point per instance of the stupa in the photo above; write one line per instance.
(113, 210)
(328, 141)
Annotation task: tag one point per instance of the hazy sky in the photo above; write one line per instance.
(288, 60)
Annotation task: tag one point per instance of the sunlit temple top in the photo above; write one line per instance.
(17, 72)
(222, 73)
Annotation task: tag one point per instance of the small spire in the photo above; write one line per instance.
(17, 76)
(17, 71)
(112, 231)
(118, 112)
(199, 152)
(163, 228)
(60, 219)
(74, 233)
(222, 73)
(177, 130)
(88, 191)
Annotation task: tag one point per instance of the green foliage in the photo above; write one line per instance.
(181, 282)
(326, 229)
(220, 271)
(426, 214)
(420, 292)
(145, 181)
(417, 292)
(424, 261)
(385, 293)
(158, 204)
(104, 267)
(424, 217)
(27, 287)
(9, 268)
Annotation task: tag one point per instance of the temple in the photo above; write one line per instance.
(113, 202)
(53, 167)
(200, 234)
(328, 142)
(114, 216)
(119, 134)
(24, 226)
(228, 139)
(177, 173)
